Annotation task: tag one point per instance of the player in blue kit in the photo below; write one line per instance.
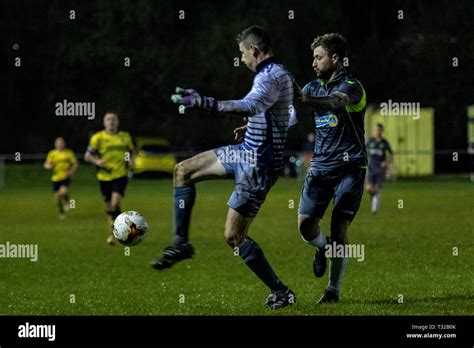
(254, 164)
(380, 163)
(339, 160)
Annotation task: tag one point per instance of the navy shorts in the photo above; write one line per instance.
(252, 180)
(345, 185)
(376, 176)
(117, 185)
(58, 184)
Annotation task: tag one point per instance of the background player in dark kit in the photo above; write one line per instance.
(380, 165)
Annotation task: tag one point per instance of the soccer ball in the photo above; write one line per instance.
(130, 228)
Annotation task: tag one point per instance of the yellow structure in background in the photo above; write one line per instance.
(470, 129)
(412, 140)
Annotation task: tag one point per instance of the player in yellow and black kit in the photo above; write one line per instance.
(112, 152)
(63, 163)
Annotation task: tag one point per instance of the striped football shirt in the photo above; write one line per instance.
(269, 104)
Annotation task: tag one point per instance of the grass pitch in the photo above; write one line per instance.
(408, 252)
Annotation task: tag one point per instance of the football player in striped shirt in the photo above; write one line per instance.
(63, 163)
(254, 164)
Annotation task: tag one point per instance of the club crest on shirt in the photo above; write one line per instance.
(329, 120)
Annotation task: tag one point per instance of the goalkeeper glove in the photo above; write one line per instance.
(191, 99)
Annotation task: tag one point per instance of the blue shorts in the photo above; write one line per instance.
(252, 180)
(376, 176)
(345, 185)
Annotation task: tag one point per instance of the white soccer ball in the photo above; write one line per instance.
(130, 228)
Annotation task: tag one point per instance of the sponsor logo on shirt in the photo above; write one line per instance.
(329, 120)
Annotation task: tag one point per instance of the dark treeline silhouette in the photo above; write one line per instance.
(82, 60)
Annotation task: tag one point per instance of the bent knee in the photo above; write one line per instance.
(233, 238)
(230, 238)
(372, 188)
(181, 173)
(308, 227)
(179, 170)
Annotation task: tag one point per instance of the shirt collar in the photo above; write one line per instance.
(264, 63)
(338, 76)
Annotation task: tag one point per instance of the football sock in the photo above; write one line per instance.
(60, 205)
(66, 200)
(318, 242)
(184, 198)
(336, 273)
(375, 202)
(254, 258)
(116, 213)
(113, 214)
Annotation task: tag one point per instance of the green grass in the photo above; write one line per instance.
(407, 251)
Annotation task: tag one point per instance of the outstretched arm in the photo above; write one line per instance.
(261, 97)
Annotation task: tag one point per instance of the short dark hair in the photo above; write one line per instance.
(379, 125)
(256, 36)
(334, 43)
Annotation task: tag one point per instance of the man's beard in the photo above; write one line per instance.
(324, 75)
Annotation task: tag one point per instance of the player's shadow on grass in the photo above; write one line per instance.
(417, 300)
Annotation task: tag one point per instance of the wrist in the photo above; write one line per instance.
(209, 104)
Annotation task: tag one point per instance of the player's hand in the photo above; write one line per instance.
(100, 163)
(48, 165)
(189, 98)
(239, 133)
